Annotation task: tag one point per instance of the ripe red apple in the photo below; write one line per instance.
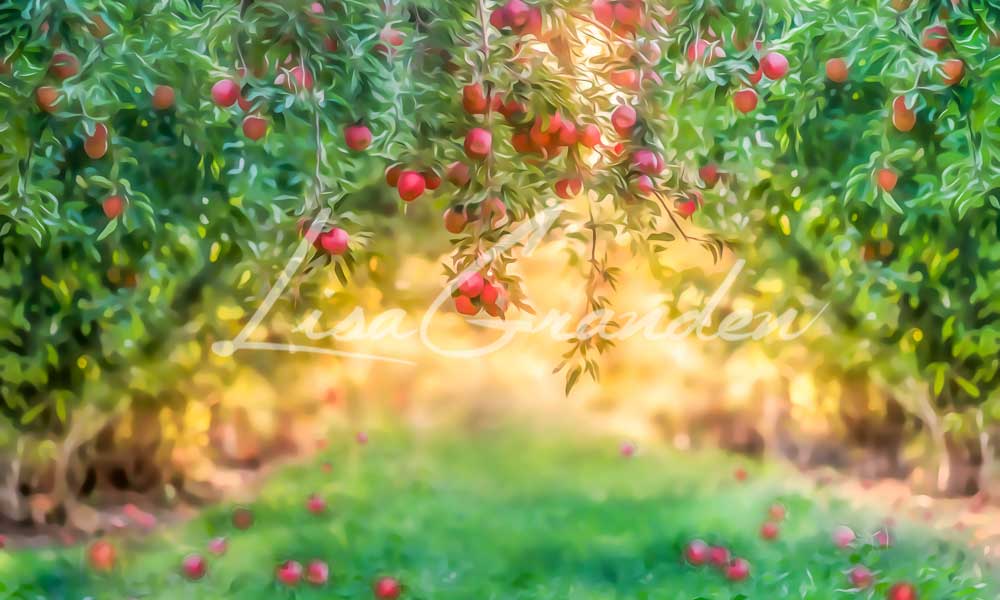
(64, 65)
(218, 546)
(903, 117)
(113, 206)
(745, 100)
(590, 136)
(843, 536)
(567, 133)
(709, 174)
(623, 119)
(242, 518)
(411, 185)
(358, 137)
(774, 65)
(769, 531)
(392, 36)
(315, 504)
(952, 70)
(101, 556)
(431, 179)
(330, 43)
(902, 591)
(317, 572)
(627, 450)
(644, 184)
(935, 38)
(47, 98)
(225, 92)
(628, 79)
(738, 570)
(776, 512)
(696, 552)
(465, 306)
(474, 100)
(387, 588)
(740, 474)
(299, 78)
(455, 220)
(861, 578)
(471, 285)
(289, 573)
(647, 161)
(392, 175)
(335, 241)
(163, 97)
(458, 174)
(361, 437)
(254, 127)
(755, 77)
(194, 567)
(490, 293)
(478, 143)
(568, 188)
(718, 556)
(96, 145)
(887, 179)
(698, 50)
(836, 70)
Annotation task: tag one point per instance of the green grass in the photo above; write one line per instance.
(509, 517)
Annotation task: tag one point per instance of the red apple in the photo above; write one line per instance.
(458, 174)
(411, 185)
(883, 538)
(745, 100)
(471, 285)
(392, 175)
(64, 65)
(774, 65)
(47, 98)
(627, 449)
(836, 70)
(644, 184)
(474, 100)
(478, 143)
(242, 518)
(696, 552)
(740, 474)
(902, 591)
(738, 570)
(755, 77)
(647, 161)
(887, 179)
(218, 546)
(935, 38)
(590, 136)
(254, 127)
(194, 567)
(861, 578)
(387, 588)
(96, 145)
(225, 92)
(843, 536)
(163, 97)
(952, 70)
(317, 572)
(289, 573)
(358, 137)
(465, 306)
(335, 241)
(494, 211)
(769, 531)
(455, 220)
(361, 437)
(490, 293)
(568, 188)
(315, 504)
(623, 119)
(113, 206)
(101, 556)
(718, 556)
(431, 179)
(709, 174)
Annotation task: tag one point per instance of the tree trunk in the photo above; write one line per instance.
(876, 423)
(965, 465)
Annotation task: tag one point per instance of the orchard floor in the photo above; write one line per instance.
(504, 516)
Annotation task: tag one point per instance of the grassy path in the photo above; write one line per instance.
(510, 518)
